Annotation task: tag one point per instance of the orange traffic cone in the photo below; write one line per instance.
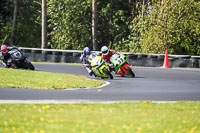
(166, 61)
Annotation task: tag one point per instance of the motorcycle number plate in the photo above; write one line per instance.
(120, 60)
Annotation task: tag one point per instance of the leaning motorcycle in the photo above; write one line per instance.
(18, 61)
(121, 65)
(99, 65)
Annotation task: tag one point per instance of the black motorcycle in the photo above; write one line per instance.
(18, 61)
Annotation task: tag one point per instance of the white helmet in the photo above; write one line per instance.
(104, 50)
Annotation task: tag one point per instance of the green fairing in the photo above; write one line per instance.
(118, 60)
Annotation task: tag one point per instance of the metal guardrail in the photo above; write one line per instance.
(136, 59)
(52, 50)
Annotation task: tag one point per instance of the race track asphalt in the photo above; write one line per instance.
(154, 84)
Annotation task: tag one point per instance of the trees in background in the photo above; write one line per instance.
(28, 23)
(69, 24)
(168, 24)
(5, 20)
(14, 21)
(147, 26)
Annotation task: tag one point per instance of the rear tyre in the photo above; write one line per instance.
(107, 72)
(129, 72)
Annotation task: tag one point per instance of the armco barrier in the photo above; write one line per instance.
(52, 55)
(147, 60)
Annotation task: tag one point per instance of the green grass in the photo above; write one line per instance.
(136, 117)
(12, 78)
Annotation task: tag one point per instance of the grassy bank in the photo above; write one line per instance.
(12, 78)
(138, 117)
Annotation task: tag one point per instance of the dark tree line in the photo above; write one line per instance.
(148, 26)
(25, 19)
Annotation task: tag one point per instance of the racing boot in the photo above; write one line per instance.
(6, 65)
(90, 72)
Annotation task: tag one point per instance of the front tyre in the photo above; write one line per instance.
(107, 72)
(129, 72)
(29, 65)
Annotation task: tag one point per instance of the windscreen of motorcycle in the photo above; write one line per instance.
(94, 59)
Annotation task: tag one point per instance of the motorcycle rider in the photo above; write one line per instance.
(84, 59)
(106, 53)
(5, 55)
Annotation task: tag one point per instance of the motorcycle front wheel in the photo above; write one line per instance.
(29, 65)
(107, 72)
(129, 71)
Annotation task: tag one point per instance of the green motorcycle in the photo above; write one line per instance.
(121, 65)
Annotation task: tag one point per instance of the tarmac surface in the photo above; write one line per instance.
(153, 84)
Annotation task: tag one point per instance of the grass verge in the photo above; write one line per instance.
(136, 117)
(14, 78)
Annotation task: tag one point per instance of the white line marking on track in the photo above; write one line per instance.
(73, 89)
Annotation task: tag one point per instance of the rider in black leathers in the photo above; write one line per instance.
(5, 55)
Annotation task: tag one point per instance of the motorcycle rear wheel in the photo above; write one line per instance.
(107, 72)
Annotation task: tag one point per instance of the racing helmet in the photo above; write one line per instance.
(86, 51)
(104, 50)
(4, 49)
